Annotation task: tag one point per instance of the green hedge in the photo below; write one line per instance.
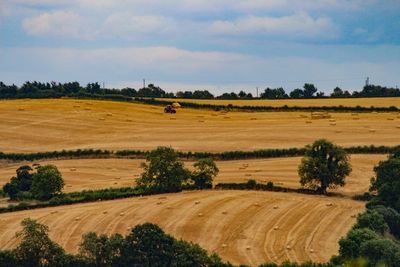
(252, 185)
(152, 101)
(228, 155)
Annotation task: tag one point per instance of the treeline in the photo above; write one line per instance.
(228, 155)
(340, 108)
(74, 89)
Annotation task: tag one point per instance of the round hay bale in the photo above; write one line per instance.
(248, 248)
(109, 114)
(257, 204)
(197, 202)
(276, 207)
(311, 251)
(121, 214)
(159, 203)
(105, 212)
(398, 126)
(54, 212)
(224, 212)
(77, 218)
(200, 214)
(330, 204)
(288, 247)
(224, 245)
(372, 130)
(276, 228)
(332, 123)
(115, 183)
(72, 169)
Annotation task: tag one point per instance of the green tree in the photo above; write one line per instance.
(164, 172)
(387, 182)
(325, 165)
(391, 217)
(103, 251)
(21, 182)
(47, 182)
(372, 220)
(204, 173)
(309, 90)
(36, 248)
(381, 252)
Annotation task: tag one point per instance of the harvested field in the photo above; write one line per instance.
(81, 174)
(242, 226)
(348, 102)
(47, 125)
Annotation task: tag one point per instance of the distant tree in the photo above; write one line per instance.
(47, 182)
(337, 92)
(277, 93)
(309, 90)
(164, 172)
(297, 93)
(320, 94)
(204, 173)
(36, 248)
(325, 165)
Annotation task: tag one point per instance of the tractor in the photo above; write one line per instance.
(169, 109)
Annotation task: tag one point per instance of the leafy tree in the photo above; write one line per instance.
(325, 165)
(383, 252)
(391, 217)
(21, 182)
(47, 182)
(372, 220)
(297, 93)
(349, 247)
(387, 182)
(204, 173)
(103, 251)
(164, 172)
(36, 248)
(309, 90)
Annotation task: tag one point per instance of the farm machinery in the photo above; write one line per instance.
(169, 109)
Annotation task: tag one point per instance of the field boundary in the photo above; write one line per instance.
(228, 155)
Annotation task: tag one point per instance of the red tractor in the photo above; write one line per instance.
(169, 109)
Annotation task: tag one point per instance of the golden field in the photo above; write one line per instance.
(85, 174)
(47, 125)
(347, 102)
(242, 226)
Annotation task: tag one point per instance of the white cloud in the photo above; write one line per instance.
(65, 24)
(129, 25)
(299, 25)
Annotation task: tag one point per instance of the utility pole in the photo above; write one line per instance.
(144, 83)
(257, 91)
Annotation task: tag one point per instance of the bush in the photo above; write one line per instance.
(251, 184)
(372, 220)
(391, 217)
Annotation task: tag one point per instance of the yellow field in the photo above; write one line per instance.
(348, 102)
(103, 173)
(46, 125)
(242, 226)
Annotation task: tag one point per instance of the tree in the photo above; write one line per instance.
(21, 182)
(47, 182)
(325, 165)
(297, 93)
(349, 247)
(387, 182)
(204, 173)
(372, 220)
(103, 251)
(381, 252)
(164, 172)
(36, 248)
(309, 90)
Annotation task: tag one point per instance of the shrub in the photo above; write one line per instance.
(251, 184)
(372, 220)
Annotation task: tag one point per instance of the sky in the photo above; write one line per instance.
(218, 45)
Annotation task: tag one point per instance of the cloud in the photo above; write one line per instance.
(128, 25)
(66, 24)
(298, 25)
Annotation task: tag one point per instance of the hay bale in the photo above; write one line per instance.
(390, 119)
(224, 245)
(276, 228)
(87, 109)
(332, 120)
(77, 218)
(121, 214)
(54, 212)
(115, 183)
(257, 204)
(200, 214)
(21, 109)
(197, 202)
(72, 169)
(311, 251)
(248, 248)
(253, 119)
(224, 212)
(109, 114)
(102, 119)
(105, 212)
(159, 203)
(276, 207)
(303, 116)
(201, 121)
(129, 120)
(330, 204)
(332, 123)
(398, 126)
(308, 122)
(288, 247)
(372, 130)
